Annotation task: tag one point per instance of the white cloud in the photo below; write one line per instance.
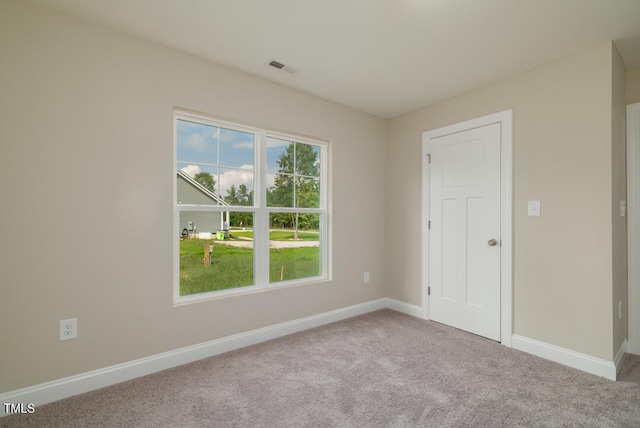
(236, 177)
(271, 179)
(273, 143)
(243, 145)
(236, 139)
(197, 142)
(191, 170)
(242, 175)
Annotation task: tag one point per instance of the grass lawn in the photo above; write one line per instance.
(241, 233)
(279, 235)
(286, 235)
(293, 263)
(232, 267)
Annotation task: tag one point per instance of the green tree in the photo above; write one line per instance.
(245, 197)
(232, 196)
(206, 179)
(296, 184)
(240, 196)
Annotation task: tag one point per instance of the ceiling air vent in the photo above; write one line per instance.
(283, 67)
(277, 65)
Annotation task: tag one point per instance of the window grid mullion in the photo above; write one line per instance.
(261, 227)
(261, 211)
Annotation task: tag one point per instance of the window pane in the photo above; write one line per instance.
(288, 163)
(307, 160)
(279, 156)
(196, 142)
(217, 175)
(212, 258)
(236, 148)
(294, 246)
(281, 193)
(307, 192)
(197, 184)
(236, 186)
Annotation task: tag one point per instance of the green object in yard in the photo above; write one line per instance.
(220, 235)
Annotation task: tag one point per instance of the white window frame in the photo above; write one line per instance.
(260, 210)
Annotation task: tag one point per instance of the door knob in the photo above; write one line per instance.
(492, 242)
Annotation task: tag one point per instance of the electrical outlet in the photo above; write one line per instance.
(68, 329)
(366, 277)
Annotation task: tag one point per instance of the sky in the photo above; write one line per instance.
(225, 153)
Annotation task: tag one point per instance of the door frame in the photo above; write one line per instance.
(505, 119)
(633, 226)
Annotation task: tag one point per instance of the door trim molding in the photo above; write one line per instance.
(633, 225)
(505, 119)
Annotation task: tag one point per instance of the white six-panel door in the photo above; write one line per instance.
(464, 233)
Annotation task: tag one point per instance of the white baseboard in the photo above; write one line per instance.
(618, 360)
(405, 308)
(567, 357)
(73, 385)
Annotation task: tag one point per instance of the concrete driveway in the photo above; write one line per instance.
(272, 244)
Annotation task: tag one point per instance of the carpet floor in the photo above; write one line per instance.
(382, 369)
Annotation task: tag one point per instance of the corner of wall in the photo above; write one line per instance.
(632, 86)
(619, 199)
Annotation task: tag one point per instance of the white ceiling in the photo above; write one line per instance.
(384, 57)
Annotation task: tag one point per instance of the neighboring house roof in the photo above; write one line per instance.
(206, 192)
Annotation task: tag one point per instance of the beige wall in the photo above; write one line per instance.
(562, 156)
(87, 174)
(632, 78)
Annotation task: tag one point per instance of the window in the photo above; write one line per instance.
(250, 209)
